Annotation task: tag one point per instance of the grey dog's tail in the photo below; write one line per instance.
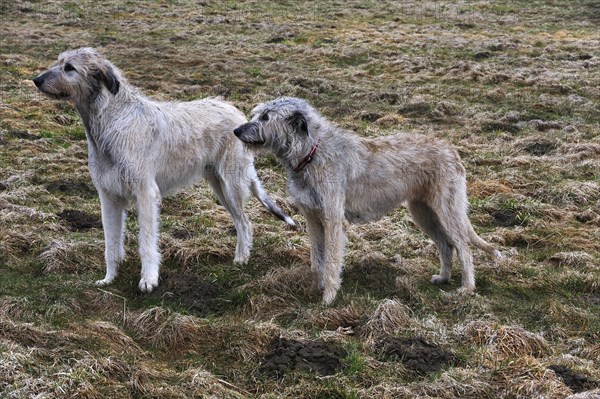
(260, 193)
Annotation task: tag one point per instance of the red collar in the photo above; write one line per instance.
(307, 159)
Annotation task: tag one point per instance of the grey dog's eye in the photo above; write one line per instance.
(69, 67)
(264, 117)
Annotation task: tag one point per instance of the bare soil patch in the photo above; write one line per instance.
(576, 381)
(505, 217)
(70, 187)
(23, 134)
(415, 353)
(313, 356)
(540, 147)
(182, 234)
(80, 221)
(188, 291)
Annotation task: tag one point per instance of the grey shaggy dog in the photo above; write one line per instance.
(143, 150)
(334, 175)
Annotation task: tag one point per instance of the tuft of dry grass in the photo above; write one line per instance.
(349, 316)
(389, 318)
(578, 260)
(505, 341)
(163, 328)
(527, 377)
(71, 257)
(288, 282)
(113, 339)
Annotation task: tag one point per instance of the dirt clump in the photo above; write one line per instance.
(70, 187)
(540, 147)
(506, 217)
(22, 134)
(576, 381)
(415, 353)
(188, 291)
(182, 234)
(312, 356)
(80, 221)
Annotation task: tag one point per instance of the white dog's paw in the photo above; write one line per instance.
(465, 290)
(104, 282)
(437, 279)
(329, 295)
(241, 260)
(147, 285)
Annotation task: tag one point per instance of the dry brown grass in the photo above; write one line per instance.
(349, 316)
(71, 257)
(506, 341)
(513, 85)
(389, 318)
(288, 282)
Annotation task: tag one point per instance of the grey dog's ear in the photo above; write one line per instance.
(298, 122)
(107, 76)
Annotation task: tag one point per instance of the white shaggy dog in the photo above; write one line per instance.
(142, 150)
(335, 175)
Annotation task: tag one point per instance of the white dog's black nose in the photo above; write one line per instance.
(238, 131)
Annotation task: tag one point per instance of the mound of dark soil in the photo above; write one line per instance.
(576, 381)
(182, 234)
(505, 217)
(415, 353)
(289, 355)
(22, 134)
(70, 187)
(540, 147)
(188, 291)
(79, 221)
(492, 126)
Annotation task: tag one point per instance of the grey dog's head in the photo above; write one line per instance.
(284, 125)
(79, 75)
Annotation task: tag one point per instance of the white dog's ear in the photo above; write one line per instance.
(298, 122)
(107, 76)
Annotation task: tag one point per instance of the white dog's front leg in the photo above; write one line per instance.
(148, 201)
(113, 222)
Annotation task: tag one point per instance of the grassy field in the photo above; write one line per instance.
(514, 85)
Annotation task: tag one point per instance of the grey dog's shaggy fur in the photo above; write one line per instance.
(142, 150)
(360, 180)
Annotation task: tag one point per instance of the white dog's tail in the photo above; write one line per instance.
(484, 245)
(260, 193)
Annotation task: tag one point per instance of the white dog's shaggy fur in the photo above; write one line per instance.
(334, 175)
(142, 150)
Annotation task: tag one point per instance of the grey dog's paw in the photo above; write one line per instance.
(437, 279)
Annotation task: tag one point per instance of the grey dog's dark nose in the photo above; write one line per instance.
(38, 80)
(238, 131)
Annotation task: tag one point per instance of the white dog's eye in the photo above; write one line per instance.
(264, 117)
(69, 67)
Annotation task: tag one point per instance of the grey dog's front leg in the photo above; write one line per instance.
(113, 223)
(335, 242)
(148, 201)
(316, 236)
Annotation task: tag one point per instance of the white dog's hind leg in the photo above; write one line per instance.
(148, 201)
(233, 198)
(113, 222)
